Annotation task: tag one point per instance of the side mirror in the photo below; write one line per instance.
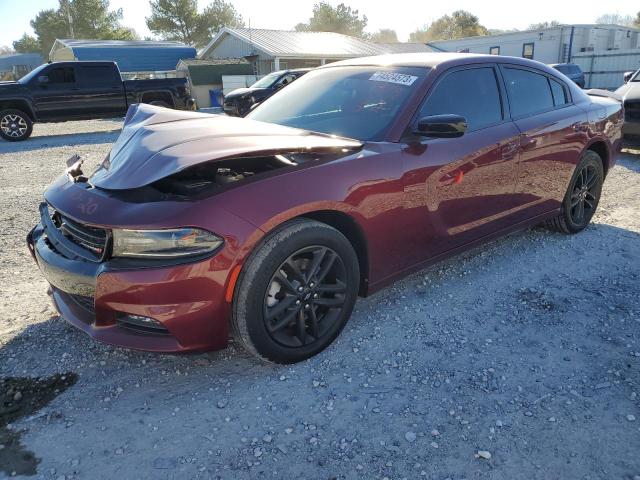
(627, 76)
(441, 126)
(43, 79)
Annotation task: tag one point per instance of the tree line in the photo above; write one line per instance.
(183, 21)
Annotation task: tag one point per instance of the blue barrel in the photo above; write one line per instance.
(216, 97)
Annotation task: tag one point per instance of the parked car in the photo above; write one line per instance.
(359, 173)
(56, 92)
(630, 93)
(238, 102)
(572, 71)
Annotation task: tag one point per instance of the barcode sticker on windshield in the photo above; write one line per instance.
(393, 77)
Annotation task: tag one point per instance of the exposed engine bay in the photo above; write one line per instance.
(210, 177)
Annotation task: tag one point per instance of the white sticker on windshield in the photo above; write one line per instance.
(393, 77)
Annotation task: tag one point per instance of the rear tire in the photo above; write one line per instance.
(296, 292)
(582, 197)
(15, 125)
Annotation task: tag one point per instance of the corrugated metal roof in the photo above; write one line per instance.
(7, 62)
(283, 43)
(405, 47)
(131, 56)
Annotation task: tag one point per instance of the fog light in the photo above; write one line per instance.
(141, 324)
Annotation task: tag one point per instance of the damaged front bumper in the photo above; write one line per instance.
(169, 309)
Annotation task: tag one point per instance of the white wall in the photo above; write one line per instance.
(231, 82)
(606, 69)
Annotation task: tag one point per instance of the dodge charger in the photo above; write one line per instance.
(196, 227)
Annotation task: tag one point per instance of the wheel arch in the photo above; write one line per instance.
(161, 95)
(601, 148)
(18, 104)
(351, 229)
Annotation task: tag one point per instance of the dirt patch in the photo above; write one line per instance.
(20, 397)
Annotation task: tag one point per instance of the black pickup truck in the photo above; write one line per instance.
(56, 92)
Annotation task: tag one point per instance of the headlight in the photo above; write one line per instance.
(171, 243)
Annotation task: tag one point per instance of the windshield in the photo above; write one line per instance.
(354, 102)
(32, 74)
(636, 76)
(266, 82)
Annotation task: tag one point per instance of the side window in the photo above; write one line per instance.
(559, 93)
(472, 93)
(62, 75)
(529, 93)
(102, 75)
(286, 80)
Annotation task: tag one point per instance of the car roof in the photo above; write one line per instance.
(554, 65)
(434, 59)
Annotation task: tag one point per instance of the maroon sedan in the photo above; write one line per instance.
(359, 173)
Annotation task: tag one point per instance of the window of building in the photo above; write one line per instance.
(472, 93)
(527, 50)
(494, 51)
(464, 50)
(62, 75)
(529, 92)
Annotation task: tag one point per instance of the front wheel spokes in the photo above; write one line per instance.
(338, 287)
(334, 302)
(284, 321)
(280, 307)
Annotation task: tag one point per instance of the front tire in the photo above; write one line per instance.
(582, 197)
(296, 292)
(15, 125)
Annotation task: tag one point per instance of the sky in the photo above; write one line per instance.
(404, 16)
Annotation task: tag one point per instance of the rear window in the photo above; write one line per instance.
(98, 75)
(562, 68)
(529, 92)
(574, 69)
(559, 93)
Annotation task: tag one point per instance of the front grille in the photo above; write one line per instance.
(91, 238)
(632, 111)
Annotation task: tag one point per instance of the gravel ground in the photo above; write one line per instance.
(518, 360)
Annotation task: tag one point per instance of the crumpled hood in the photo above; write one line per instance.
(629, 91)
(157, 142)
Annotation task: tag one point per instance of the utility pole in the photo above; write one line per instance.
(67, 8)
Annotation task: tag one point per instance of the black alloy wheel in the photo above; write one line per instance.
(582, 197)
(305, 296)
(295, 292)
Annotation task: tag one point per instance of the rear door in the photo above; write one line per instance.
(460, 189)
(55, 93)
(101, 90)
(552, 136)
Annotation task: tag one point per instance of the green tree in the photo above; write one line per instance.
(26, 44)
(5, 49)
(341, 19)
(91, 19)
(180, 20)
(459, 24)
(384, 35)
(636, 22)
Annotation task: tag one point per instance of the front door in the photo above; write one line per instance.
(458, 190)
(55, 93)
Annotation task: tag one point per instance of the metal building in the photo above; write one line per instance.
(271, 50)
(136, 58)
(16, 65)
(548, 45)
